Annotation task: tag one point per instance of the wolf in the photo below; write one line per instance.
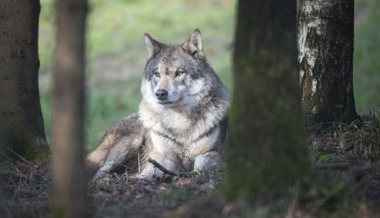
(182, 117)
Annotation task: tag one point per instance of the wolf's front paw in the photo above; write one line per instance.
(205, 162)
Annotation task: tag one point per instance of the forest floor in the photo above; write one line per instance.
(346, 159)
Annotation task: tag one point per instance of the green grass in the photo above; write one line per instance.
(116, 52)
(366, 55)
(106, 108)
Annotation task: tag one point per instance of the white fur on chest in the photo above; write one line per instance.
(166, 143)
(175, 134)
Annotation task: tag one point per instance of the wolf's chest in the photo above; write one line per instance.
(188, 145)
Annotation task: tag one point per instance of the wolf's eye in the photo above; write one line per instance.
(179, 72)
(156, 74)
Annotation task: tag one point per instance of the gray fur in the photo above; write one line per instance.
(181, 121)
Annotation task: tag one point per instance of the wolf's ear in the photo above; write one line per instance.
(153, 46)
(194, 45)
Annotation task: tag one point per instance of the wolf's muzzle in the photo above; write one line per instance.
(161, 94)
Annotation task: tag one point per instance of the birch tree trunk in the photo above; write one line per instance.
(267, 150)
(326, 44)
(69, 180)
(21, 123)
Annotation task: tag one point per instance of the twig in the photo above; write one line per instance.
(166, 171)
(159, 166)
(22, 158)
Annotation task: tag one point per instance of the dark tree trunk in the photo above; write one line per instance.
(326, 44)
(69, 178)
(21, 123)
(267, 147)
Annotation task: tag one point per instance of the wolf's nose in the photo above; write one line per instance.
(161, 94)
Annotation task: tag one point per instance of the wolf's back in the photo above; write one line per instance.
(121, 143)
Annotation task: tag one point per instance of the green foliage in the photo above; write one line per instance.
(325, 158)
(366, 55)
(353, 141)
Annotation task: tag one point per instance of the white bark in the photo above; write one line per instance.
(312, 21)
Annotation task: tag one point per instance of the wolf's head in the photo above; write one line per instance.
(177, 75)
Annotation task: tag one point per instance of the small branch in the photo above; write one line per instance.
(166, 171)
(159, 166)
(22, 158)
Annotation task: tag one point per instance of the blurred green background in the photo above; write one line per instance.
(116, 52)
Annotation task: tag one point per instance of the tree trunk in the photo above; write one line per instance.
(267, 148)
(326, 45)
(69, 180)
(21, 123)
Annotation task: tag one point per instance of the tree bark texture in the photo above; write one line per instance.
(326, 44)
(69, 178)
(21, 123)
(267, 148)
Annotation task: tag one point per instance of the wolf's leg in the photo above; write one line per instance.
(106, 168)
(98, 157)
(120, 143)
(207, 161)
(121, 151)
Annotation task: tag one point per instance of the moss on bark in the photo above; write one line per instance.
(267, 151)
